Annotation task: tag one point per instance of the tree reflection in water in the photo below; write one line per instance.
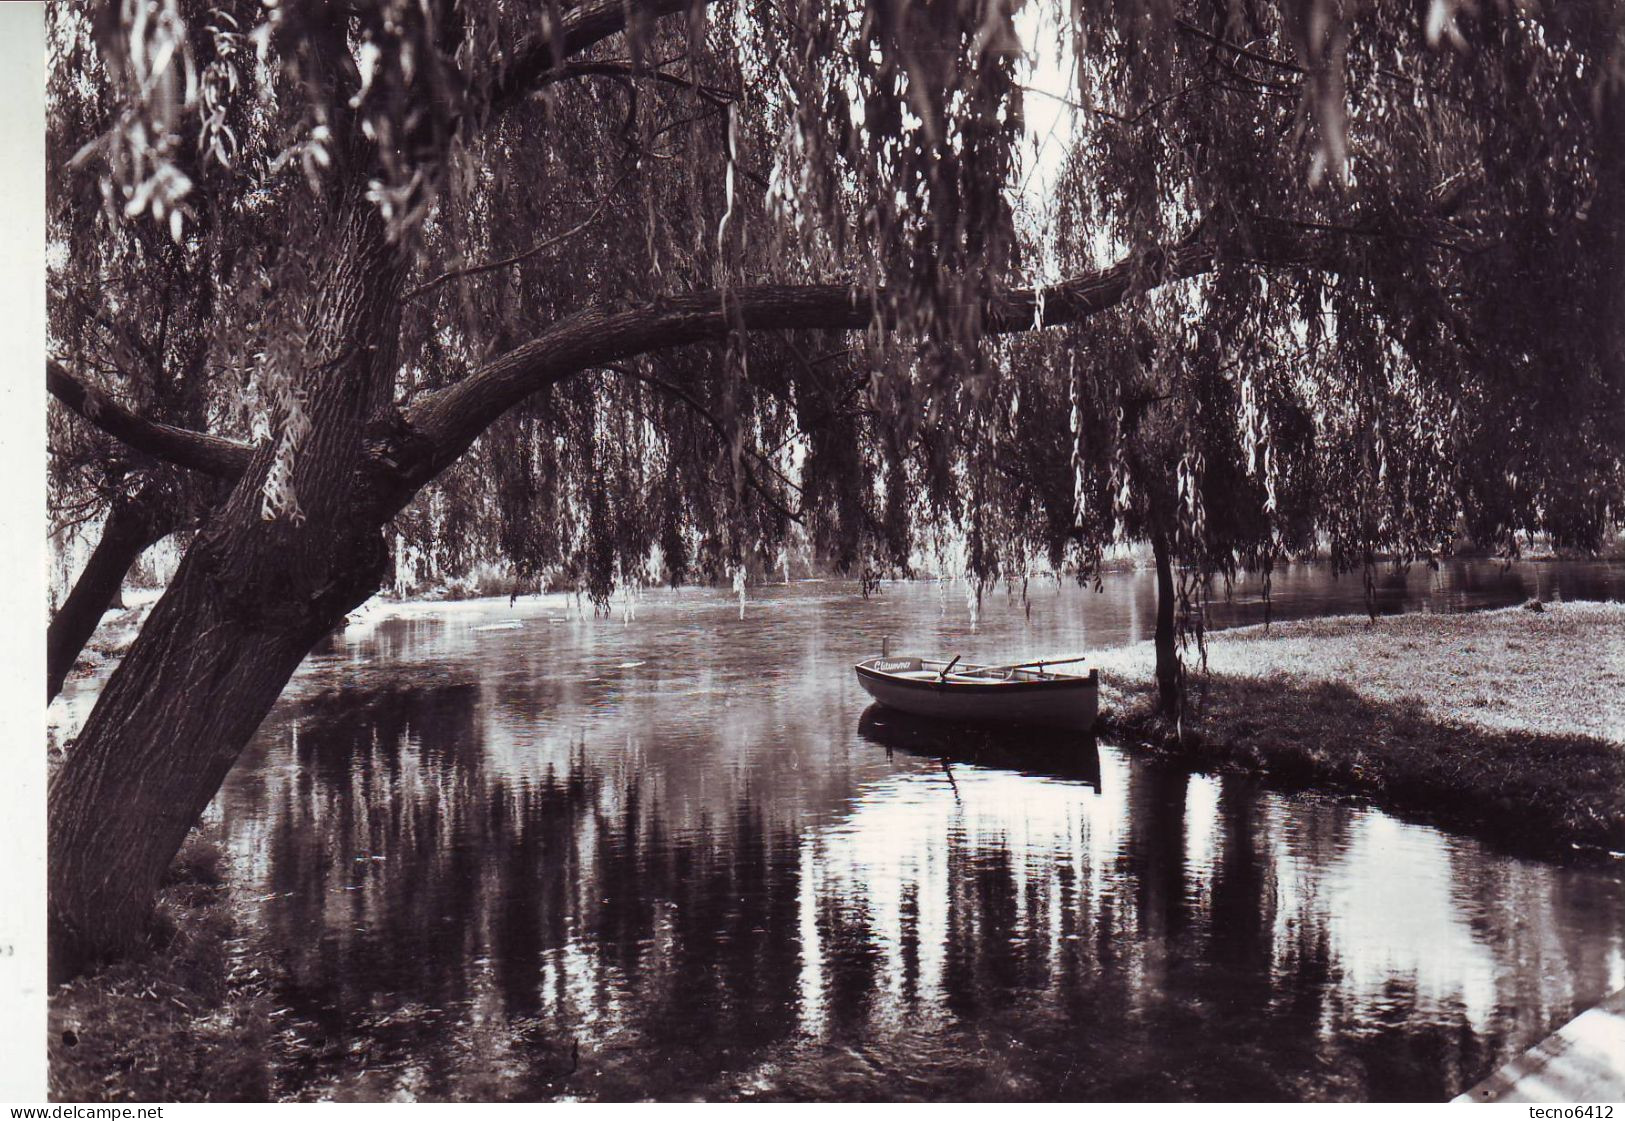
(484, 881)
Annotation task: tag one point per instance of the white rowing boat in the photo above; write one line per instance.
(1018, 694)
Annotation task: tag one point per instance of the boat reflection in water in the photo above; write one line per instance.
(1033, 751)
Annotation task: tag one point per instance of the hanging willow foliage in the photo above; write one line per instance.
(1448, 354)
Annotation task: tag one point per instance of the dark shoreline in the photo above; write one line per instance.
(1517, 829)
(1522, 780)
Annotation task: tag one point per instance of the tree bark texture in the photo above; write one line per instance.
(132, 526)
(1166, 647)
(250, 599)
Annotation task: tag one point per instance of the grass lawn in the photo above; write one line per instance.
(1510, 721)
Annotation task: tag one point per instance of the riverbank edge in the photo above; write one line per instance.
(188, 1017)
(1526, 831)
(1545, 805)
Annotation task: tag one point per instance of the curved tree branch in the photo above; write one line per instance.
(749, 476)
(539, 59)
(620, 68)
(450, 419)
(710, 418)
(1243, 52)
(444, 423)
(539, 247)
(212, 455)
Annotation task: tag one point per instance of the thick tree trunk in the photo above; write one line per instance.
(250, 599)
(132, 525)
(1167, 648)
(169, 725)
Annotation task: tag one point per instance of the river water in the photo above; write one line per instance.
(501, 852)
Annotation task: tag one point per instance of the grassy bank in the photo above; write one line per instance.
(1510, 722)
(184, 1020)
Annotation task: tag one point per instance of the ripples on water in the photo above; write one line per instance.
(676, 859)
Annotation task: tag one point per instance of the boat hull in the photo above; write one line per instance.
(1069, 703)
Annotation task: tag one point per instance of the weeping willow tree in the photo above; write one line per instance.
(1444, 353)
(588, 285)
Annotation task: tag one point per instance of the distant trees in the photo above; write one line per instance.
(672, 277)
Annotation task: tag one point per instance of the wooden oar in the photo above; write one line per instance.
(1042, 663)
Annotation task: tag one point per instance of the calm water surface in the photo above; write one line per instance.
(496, 852)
